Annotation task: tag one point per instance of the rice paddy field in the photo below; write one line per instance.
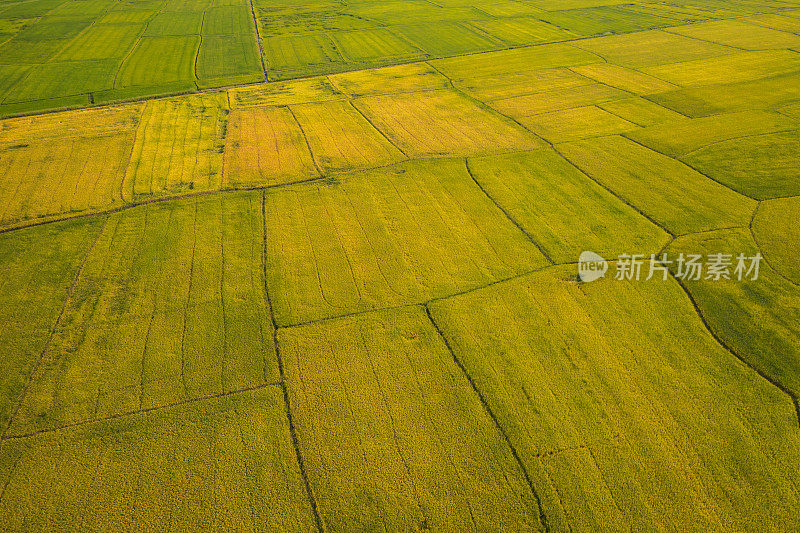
(273, 265)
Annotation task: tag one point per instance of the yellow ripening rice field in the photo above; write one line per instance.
(197, 466)
(265, 146)
(623, 78)
(61, 175)
(168, 306)
(443, 123)
(386, 237)
(562, 209)
(178, 148)
(627, 413)
(576, 123)
(393, 435)
(774, 227)
(671, 194)
(756, 320)
(341, 139)
(387, 80)
(35, 283)
(284, 93)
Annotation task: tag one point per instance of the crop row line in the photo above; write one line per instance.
(493, 416)
(52, 331)
(145, 410)
(286, 400)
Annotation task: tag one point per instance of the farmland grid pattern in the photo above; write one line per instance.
(411, 205)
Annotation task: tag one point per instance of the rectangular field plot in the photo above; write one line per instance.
(729, 69)
(760, 166)
(289, 22)
(386, 237)
(232, 19)
(169, 306)
(775, 228)
(520, 31)
(265, 146)
(626, 399)
(178, 147)
(102, 41)
(301, 55)
(59, 79)
(447, 38)
(160, 61)
(501, 86)
(680, 138)
(191, 467)
(393, 435)
(227, 60)
(387, 80)
(547, 102)
(285, 93)
(106, 120)
(20, 52)
(562, 209)
(768, 93)
(601, 19)
(38, 266)
(513, 61)
(677, 197)
(776, 22)
(439, 123)
(175, 23)
(662, 48)
(759, 319)
(576, 123)
(623, 78)
(740, 34)
(341, 139)
(61, 176)
(374, 46)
